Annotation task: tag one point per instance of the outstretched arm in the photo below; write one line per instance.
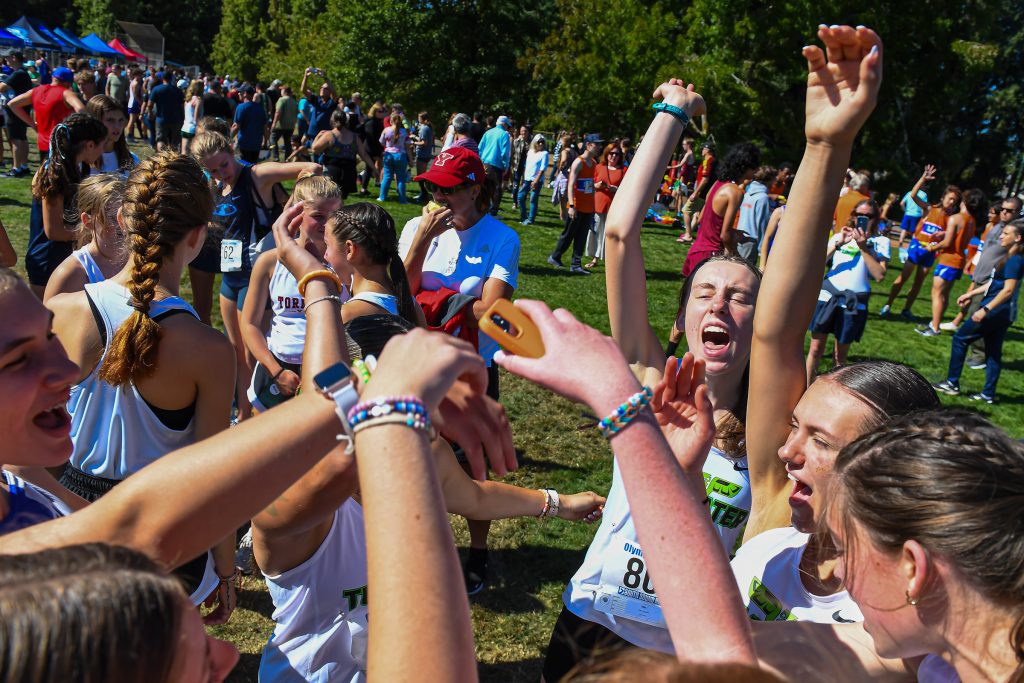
(928, 174)
(627, 279)
(841, 93)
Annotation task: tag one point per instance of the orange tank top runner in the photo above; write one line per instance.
(583, 193)
(933, 222)
(953, 256)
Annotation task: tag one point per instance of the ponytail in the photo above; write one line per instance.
(372, 229)
(165, 198)
(59, 175)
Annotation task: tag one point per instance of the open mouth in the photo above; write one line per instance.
(715, 338)
(801, 493)
(54, 420)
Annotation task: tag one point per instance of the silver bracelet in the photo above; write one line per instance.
(329, 297)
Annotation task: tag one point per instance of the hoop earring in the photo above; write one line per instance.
(912, 601)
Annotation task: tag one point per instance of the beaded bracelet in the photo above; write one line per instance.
(383, 406)
(406, 419)
(324, 273)
(672, 109)
(626, 413)
(359, 365)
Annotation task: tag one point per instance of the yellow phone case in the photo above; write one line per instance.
(525, 341)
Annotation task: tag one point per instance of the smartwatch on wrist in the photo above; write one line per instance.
(336, 384)
(985, 308)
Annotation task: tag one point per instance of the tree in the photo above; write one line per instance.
(236, 48)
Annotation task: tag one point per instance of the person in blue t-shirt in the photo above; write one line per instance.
(993, 318)
(250, 125)
(320, 108)
(167, 104)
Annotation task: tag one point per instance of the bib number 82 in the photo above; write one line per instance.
(635, 576)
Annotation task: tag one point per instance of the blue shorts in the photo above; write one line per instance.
(947, 273)
(235, 293)
(920, 256)
(909, 223)
(845, 328)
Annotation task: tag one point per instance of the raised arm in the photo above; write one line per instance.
(680, 545)
(303, 87)
(928, 174)
(626, 275)
(841, 93)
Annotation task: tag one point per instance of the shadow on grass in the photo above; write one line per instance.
(500, 672)
(10, 201)
(517, 575)
(543, 465)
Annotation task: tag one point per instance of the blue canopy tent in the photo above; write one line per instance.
(24, 30)
(8, 39)
(96, 46)
(61, 45)
(70, 38)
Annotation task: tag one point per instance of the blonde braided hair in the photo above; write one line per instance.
(166, 197)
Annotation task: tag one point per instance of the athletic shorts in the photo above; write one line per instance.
(16, 128)
(909, 223)
(168, 134)
(235, 293)
(947, 273)
(263, 392)
(135, 108)
(846, 329)
(920, 256)
(208, 259)
(575, 640)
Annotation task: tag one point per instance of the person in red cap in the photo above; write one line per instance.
(51, 104)
(460, 246)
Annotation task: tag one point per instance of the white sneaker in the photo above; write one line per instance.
(948, 327)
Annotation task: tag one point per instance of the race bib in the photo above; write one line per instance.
(626, 590)
(230, 256)
(585, 185)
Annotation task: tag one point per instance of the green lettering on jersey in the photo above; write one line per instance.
(721, 487)
(765, 600)
(355, 597)
(726, 515)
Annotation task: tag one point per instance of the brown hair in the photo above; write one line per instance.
(88, 613)
(766, 174)
(634, 664)
(101, 105)
(60, 175)
(608, 149)
(99, 196)
(165, 198)
(953, 482)
(955, 190)
(208, 143)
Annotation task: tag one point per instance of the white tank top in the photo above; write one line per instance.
(190, 115)
(28, 505)
(115, 433)
(320, 612)
(612, 588)
(767, 570)
(131, 94)
(389, 302)
(288, 328)
(88, 263)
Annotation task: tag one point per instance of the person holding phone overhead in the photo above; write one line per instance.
(859, 254)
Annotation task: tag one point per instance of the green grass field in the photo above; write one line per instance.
(531, 561)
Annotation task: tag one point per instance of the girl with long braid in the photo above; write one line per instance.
(75, 144)
(142, 391)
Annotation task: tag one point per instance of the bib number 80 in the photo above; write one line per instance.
(636, 576)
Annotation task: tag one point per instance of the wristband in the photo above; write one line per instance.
(625, 413)
(985, 308)
(409, 408)
(551, 503)
(404, 419)
(666, 108)
(329, 297)
(324, 273)
(359, 365)
(278, 373)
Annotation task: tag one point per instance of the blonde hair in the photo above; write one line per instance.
(208, 143)
(99, 196)
(315, 187)
(165, 198)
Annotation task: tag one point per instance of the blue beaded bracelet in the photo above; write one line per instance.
(672, 109)
(385, 406)
(626, 413)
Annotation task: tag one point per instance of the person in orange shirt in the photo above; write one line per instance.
(920, 255)
(859, 188)
(607, 176)
(951, 250)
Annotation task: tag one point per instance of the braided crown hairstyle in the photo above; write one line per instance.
(953, 482)
(372, 229)
(165, 198)
(60, 175)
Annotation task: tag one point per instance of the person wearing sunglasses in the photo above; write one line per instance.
(460, 246)
(607, 177)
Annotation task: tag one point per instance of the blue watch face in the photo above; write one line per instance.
(332, 375)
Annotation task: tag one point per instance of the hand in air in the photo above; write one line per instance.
(297, 260)
(929, 173)
(579, 363)
(587, 507)
(480, 426)
(676, 91)
(682, 408)
(842, 90)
